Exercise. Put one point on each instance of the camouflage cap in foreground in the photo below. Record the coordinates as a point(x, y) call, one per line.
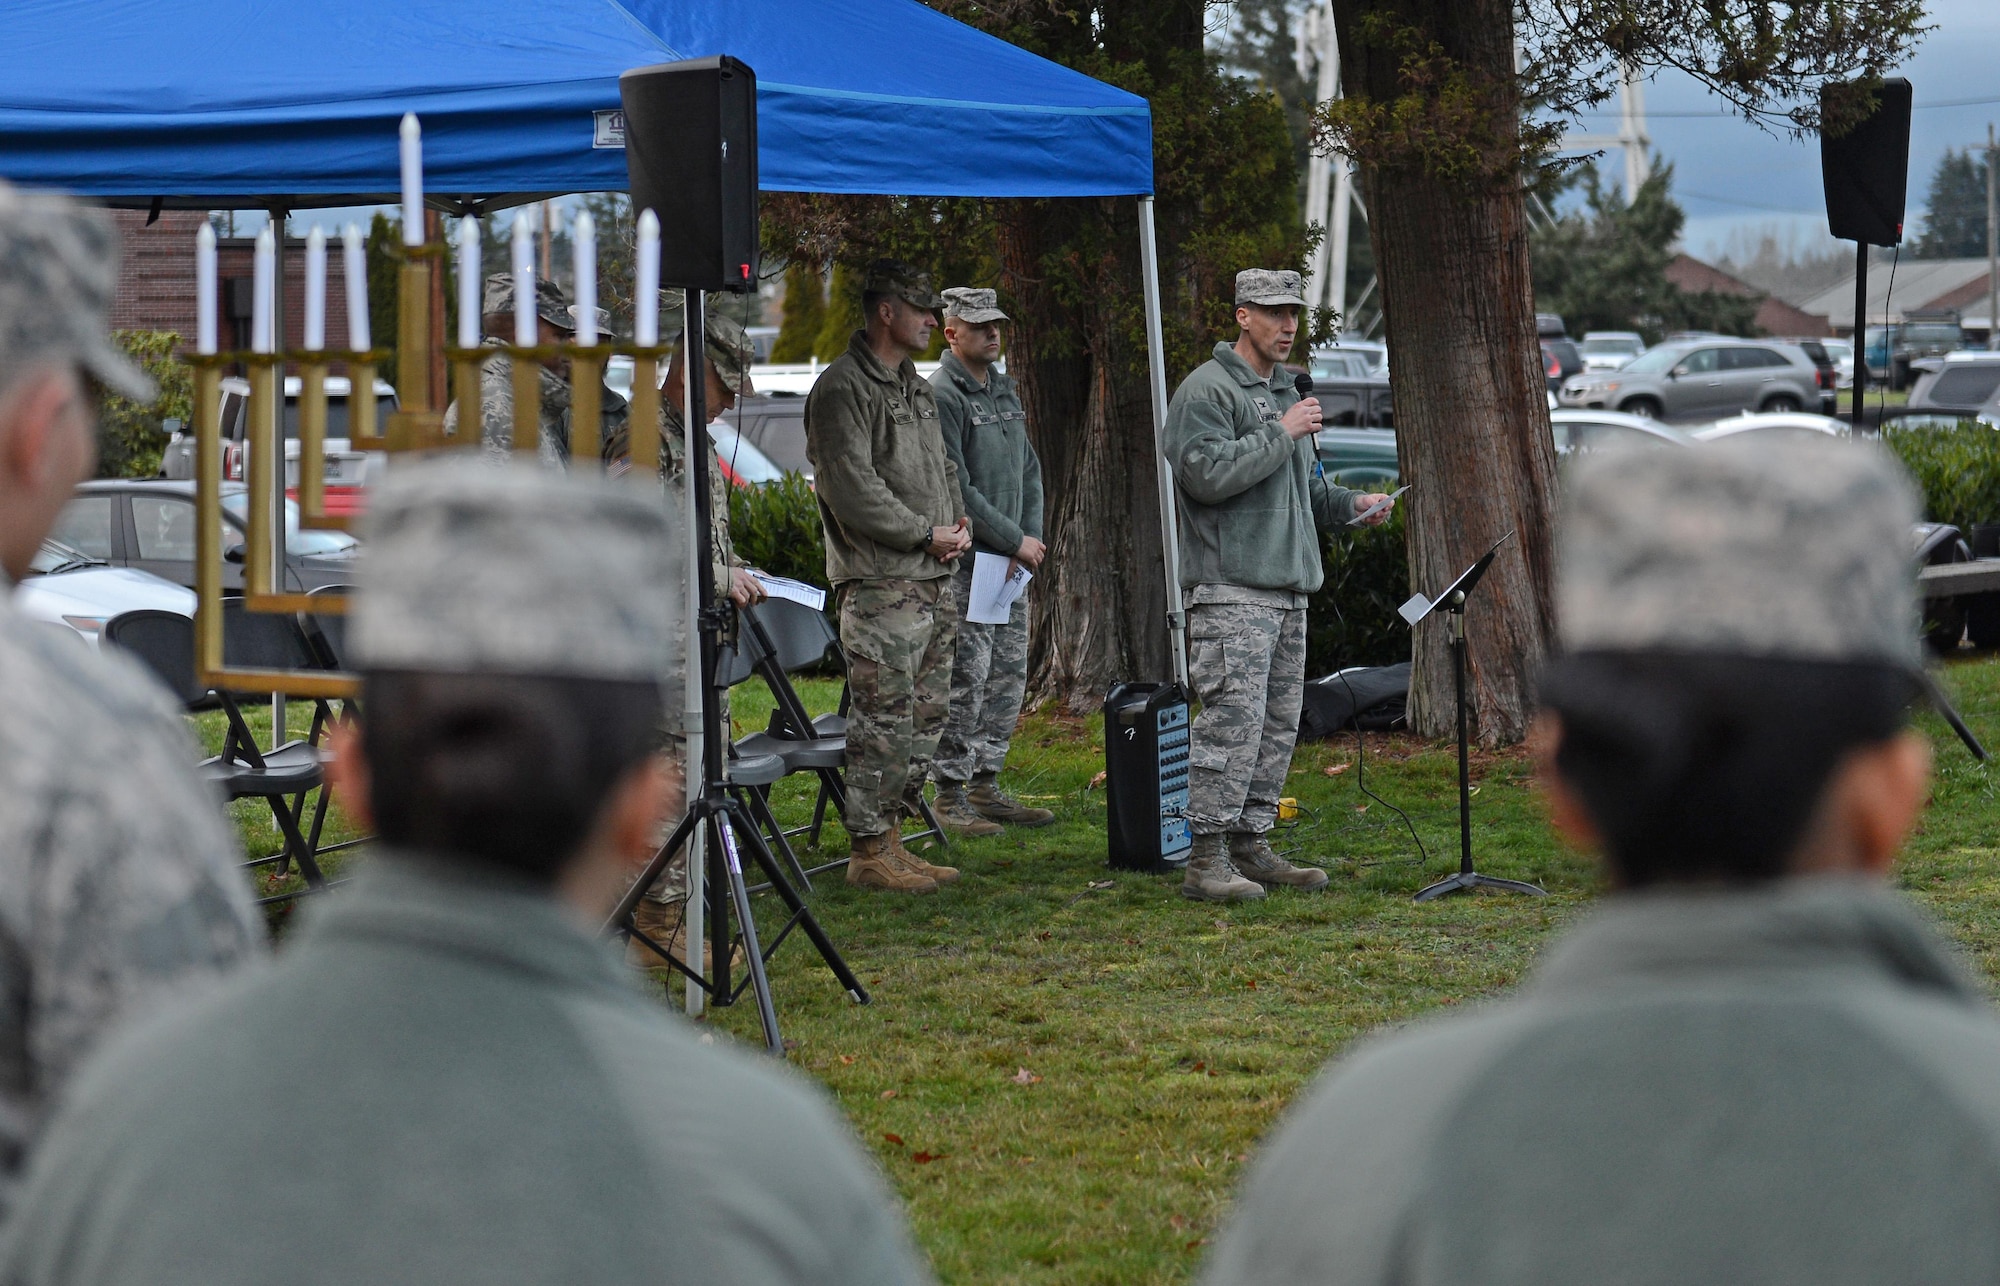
point(1788, 548)
point(476, 567)
point(550, 303)
point(58, 269)
point(906, 282)
point(1270, 286)
point(971, 304)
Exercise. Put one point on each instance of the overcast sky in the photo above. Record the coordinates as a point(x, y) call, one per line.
point(1731, 176)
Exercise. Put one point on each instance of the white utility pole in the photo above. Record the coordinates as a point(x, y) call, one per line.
point(1317, 46)
point(1631, 137)
point(1992, 242)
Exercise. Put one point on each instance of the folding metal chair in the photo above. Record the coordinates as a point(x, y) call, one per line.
point(281, 777)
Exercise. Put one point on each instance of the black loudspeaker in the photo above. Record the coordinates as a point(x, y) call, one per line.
point(691, 152)
point(1867, 170)
point(1146, 741)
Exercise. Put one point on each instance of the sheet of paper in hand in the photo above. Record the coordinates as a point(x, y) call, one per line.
point(993, 589)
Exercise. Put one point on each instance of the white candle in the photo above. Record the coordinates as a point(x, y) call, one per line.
point(646, 289)
point(584, 238)
point(354, 257)
point(469, 286)
point(413, 181)
point(204, 288)
point(261, 283)
point(525, 330)
point(316, 289)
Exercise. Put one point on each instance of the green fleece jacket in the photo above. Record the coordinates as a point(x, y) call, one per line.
point(1796, 1085)
point(447, 1078)
point(880, 469)
point(1250, 496)
point(986, 435)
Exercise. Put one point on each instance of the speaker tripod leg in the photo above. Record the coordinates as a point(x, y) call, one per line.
point(724, 834)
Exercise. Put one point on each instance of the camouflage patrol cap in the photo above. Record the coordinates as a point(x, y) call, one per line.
point(894, 277)
point(58, 269)
point(968, 303)
point(550, 304)
point(477, 567)
point(1271, 287)
point(1792, 548)
point(730, 350)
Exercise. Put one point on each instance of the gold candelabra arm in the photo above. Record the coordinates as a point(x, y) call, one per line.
point(644, 429)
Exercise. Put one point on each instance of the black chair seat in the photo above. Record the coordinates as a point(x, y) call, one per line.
point(291, 769)
point(798, 755)
point(755, 770)
point(831, 725)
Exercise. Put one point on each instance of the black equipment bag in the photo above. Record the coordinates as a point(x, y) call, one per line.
point(1367, 697)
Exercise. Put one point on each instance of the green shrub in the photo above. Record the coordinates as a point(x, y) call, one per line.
point(776, 527)
point(1352, 620)
point(1957, 470)
point(131, 435)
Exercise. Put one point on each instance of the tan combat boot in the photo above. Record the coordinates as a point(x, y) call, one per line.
point(872, 863)
point(1211, 877)
point(956, 813)
point(663, 922)
point(1253, 856)
point(941, 874)
point(994, 804)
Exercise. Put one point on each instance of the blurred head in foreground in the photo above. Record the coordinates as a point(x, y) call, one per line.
point(1739, 654)
point(513, 629)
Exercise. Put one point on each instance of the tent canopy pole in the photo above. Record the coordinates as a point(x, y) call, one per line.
point(1156, 362)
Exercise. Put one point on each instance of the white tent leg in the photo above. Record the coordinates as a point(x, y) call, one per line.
point(1156, 361)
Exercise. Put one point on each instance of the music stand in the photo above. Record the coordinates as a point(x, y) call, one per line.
point(731, 828)
point(1452, 599)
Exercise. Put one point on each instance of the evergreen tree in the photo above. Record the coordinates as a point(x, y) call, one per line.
point(1604, 267)
point(804, 314)
point(1260, 47)
point(1955, 211)
point(385, 259)
point(842, 316)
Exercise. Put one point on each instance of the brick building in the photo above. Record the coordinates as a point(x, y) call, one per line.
point(156, 282)
point(1774, 315)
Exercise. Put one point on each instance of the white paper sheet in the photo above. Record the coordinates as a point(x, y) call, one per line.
point(796, 590)
point(993, 590)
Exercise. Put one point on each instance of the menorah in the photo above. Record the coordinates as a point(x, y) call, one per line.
point(417, 425)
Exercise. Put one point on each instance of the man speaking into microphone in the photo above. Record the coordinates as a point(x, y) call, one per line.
point(1252, 498)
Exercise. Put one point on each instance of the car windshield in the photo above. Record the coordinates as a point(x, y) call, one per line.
point(54, 556)
point(1654, 362)
point(299, 542)
point(1872, 337)
point(1610, 347)
point(1931, 335)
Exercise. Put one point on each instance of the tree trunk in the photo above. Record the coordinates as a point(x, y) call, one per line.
point(1098, 613)
point(1472, 425)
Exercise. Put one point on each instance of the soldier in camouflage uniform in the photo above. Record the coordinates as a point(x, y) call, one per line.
point(557, 324)
point(118, 877)
point(986, 434)
point(1251, 493)
point(895, 523)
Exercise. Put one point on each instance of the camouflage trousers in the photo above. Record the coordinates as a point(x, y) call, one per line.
point(989, 674)
point(1247, 663)
point(899, 636)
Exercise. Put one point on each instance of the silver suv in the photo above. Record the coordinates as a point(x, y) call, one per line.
point(1702, 379)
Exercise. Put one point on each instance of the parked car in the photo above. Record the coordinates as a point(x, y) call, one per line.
point(1607, 350)
point(1842, 353)
point(1373, 353)
point(776, 426)
point(1791, 423)
point(1889, 350)
point(1967, 381)
point(1702, 379)
point(149, 524)
point(1364, 459)
point(1551, 326)
point(1560, 360)
point(1829, 374)
point(742, 463)
point(1598, 430)
point(348, 472)
point(70, 589)
point(1902, 417)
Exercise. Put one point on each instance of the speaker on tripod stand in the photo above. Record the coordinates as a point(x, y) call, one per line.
point(691, 151)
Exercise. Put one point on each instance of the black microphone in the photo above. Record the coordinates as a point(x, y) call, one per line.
point(1303, 382)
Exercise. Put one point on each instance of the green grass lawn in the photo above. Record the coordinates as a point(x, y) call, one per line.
point(1064, 1068)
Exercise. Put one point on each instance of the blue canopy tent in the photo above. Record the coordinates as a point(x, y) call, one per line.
point(238, 103)
point(212, 102)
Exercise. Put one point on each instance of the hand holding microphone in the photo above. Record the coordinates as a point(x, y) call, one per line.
point(1304, 417)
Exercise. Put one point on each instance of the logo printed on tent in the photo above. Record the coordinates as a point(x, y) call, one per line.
point(608, 128)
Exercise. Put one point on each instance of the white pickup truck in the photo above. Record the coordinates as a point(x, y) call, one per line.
point(348, 472)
